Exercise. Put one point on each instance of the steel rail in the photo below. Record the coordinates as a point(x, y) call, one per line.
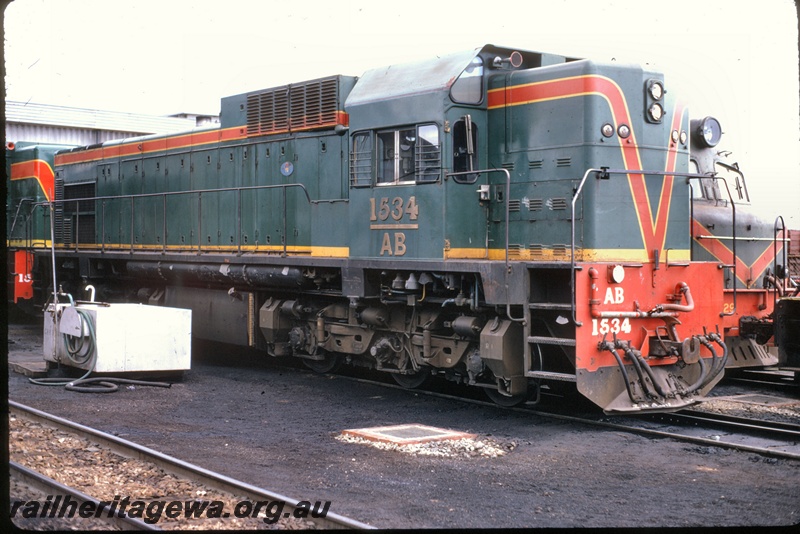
point(597, 422)
point(53, 487)
point(770, 379)
point(181, 468)
point(776, 428)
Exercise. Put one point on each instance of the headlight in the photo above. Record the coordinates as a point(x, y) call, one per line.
point(656, 112)
point(708, 131)
point(624, 131)
point(656, 90)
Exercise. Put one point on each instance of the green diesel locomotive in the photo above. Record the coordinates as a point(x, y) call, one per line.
point(502, 218)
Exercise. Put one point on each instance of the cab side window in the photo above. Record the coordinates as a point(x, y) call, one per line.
point(429, 153)
point(465, 139)
point(402, 155)
point(361, 160)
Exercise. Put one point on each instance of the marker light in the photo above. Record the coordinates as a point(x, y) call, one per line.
point(617, 274)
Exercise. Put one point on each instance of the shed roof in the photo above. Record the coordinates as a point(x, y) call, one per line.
point(31, 113)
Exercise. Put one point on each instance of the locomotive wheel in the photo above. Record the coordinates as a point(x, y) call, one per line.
point(504, 401)
point(328, 364)
point(412, 381)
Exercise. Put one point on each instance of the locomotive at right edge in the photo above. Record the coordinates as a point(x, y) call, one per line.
point(501, 218)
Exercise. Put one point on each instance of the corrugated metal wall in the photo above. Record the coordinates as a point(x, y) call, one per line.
point(42, 133)
point(42, 123)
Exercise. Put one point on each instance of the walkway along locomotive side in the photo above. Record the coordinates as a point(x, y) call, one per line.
point(499, 217)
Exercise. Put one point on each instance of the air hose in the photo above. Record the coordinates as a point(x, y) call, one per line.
point(82, 350)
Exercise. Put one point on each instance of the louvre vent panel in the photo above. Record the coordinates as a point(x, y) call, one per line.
point(515, 250)
point(58, 215)
point(535, 204)
point(296, 107)
point(537, 250)
point(557, 203)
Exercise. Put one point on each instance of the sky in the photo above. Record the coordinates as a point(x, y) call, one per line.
point(736, 60)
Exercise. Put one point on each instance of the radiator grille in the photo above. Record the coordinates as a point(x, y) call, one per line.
point(304, 106)
point(75, 221)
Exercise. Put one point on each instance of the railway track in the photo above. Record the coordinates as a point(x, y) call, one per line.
point(768, 429)
point(772, 439)
point(213, 483)
point(784, 381)
point(47, 486)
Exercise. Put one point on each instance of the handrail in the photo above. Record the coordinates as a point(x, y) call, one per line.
point(507, 196)
point(575, 196)
point(605, 173)
point(723, 313)
point(775, 258)
point(164, 195)
point(16, 215)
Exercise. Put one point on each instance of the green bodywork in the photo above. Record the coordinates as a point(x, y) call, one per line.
point(27, 216)
point(262, 185)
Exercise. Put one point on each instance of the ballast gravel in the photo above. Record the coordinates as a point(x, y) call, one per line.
point(103, 474)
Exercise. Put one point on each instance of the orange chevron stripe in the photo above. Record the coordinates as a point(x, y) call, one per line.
point(665, 200)
point(39, 170)
point(724, 254)
point(652, 228)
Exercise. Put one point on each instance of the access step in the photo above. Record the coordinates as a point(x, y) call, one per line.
point(550, 306)
point(544, 340)
point(549, 375)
